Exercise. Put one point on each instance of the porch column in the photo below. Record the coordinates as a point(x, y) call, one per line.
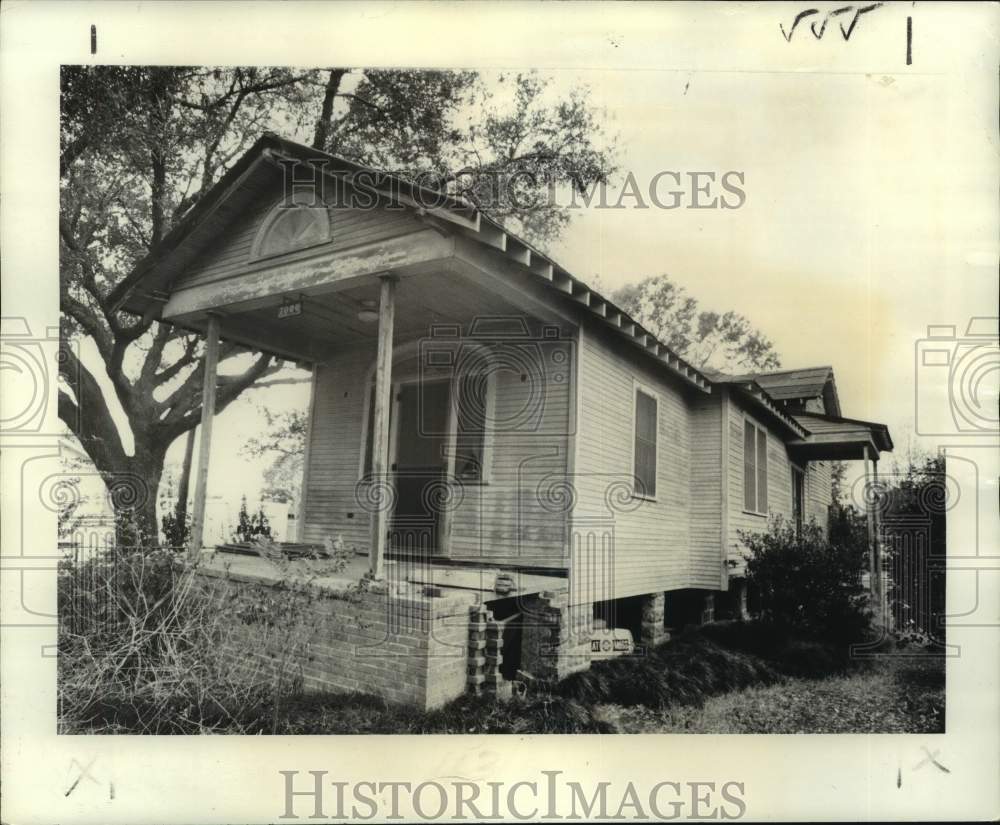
point(870, 514)
point(211, 363)
point(380, 422)
point(876, 529)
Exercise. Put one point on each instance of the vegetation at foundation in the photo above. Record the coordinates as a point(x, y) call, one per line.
point(896, 695)
point(809, 583)
point(141, 646)
point(729, 677)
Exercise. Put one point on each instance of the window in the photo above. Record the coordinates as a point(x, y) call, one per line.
point(754, 468)
point(292, 225)
point(471, 416)
point(644, 455)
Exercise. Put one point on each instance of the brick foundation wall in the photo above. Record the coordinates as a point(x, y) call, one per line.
point(555, 636)
point(410, 649)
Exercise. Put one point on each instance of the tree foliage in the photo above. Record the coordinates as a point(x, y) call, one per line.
point(725, 341)
point(914, 507)
point(283, 442)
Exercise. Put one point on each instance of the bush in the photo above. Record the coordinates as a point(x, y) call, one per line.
point(808, 584)
point(253, 526)
point(141, 650)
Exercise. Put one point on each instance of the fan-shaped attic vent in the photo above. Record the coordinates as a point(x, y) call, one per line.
point(292, 224)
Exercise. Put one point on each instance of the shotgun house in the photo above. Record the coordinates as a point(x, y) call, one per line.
point(514, 465)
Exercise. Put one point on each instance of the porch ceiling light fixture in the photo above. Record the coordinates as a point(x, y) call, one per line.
point(368, 312)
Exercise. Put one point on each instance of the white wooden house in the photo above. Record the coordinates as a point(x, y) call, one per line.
point(482, 421)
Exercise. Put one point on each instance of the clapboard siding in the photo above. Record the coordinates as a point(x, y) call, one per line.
point(350, 227)
point(513, 519)
point(818, 492)
point(651, 539)
point(779, 483)
point(332, 508)
point(706, 492)
point(518, 517)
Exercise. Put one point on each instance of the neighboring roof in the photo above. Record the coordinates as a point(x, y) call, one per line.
point(145, 288)
point(792, 385)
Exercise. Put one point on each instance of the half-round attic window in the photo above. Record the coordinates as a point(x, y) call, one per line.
point(293, 224)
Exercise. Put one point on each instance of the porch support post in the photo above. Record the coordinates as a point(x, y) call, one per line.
point(211, 363)
point(876, 539)
point(380, 424)
point(870, 513)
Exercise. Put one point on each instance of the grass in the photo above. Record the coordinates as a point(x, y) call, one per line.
point(893, 696)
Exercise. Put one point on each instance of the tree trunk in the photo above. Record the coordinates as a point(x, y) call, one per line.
point(322, 132)
point(132, 489)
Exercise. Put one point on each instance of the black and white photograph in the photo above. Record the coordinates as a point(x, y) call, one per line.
point(501, 391)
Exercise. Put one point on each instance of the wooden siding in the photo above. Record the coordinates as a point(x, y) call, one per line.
point(331, 508)
point(229, 256)
point(779, 483)
point(514, 519)
point(706, 492)
point(779, 480)
point(818, 491)
point(651, 539)
point(517, 517)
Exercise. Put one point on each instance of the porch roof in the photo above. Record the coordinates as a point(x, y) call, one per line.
point(145, 290)
point(832, 437)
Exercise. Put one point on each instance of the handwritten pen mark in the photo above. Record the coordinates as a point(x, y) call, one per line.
point(909, 41)
point(932, 758)
point(899, 777)
point(93, 39)
point(84, 773)
point(857, 16)
point(798, 19)
point(821, 30)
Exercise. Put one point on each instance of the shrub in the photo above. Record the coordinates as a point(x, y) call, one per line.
point(808, 584)
point(253, 526)
point(141, 646)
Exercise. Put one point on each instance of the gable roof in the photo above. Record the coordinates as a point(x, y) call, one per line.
point(145, 289)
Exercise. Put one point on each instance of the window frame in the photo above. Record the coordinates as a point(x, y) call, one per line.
point(276, 212)
point(649, 392)
point(486, 474)
point(758, 429)
point(486, 468)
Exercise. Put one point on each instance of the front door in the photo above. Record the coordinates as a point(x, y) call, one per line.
point(419, 465)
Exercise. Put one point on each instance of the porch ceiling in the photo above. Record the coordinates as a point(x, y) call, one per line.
point(330, 321)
